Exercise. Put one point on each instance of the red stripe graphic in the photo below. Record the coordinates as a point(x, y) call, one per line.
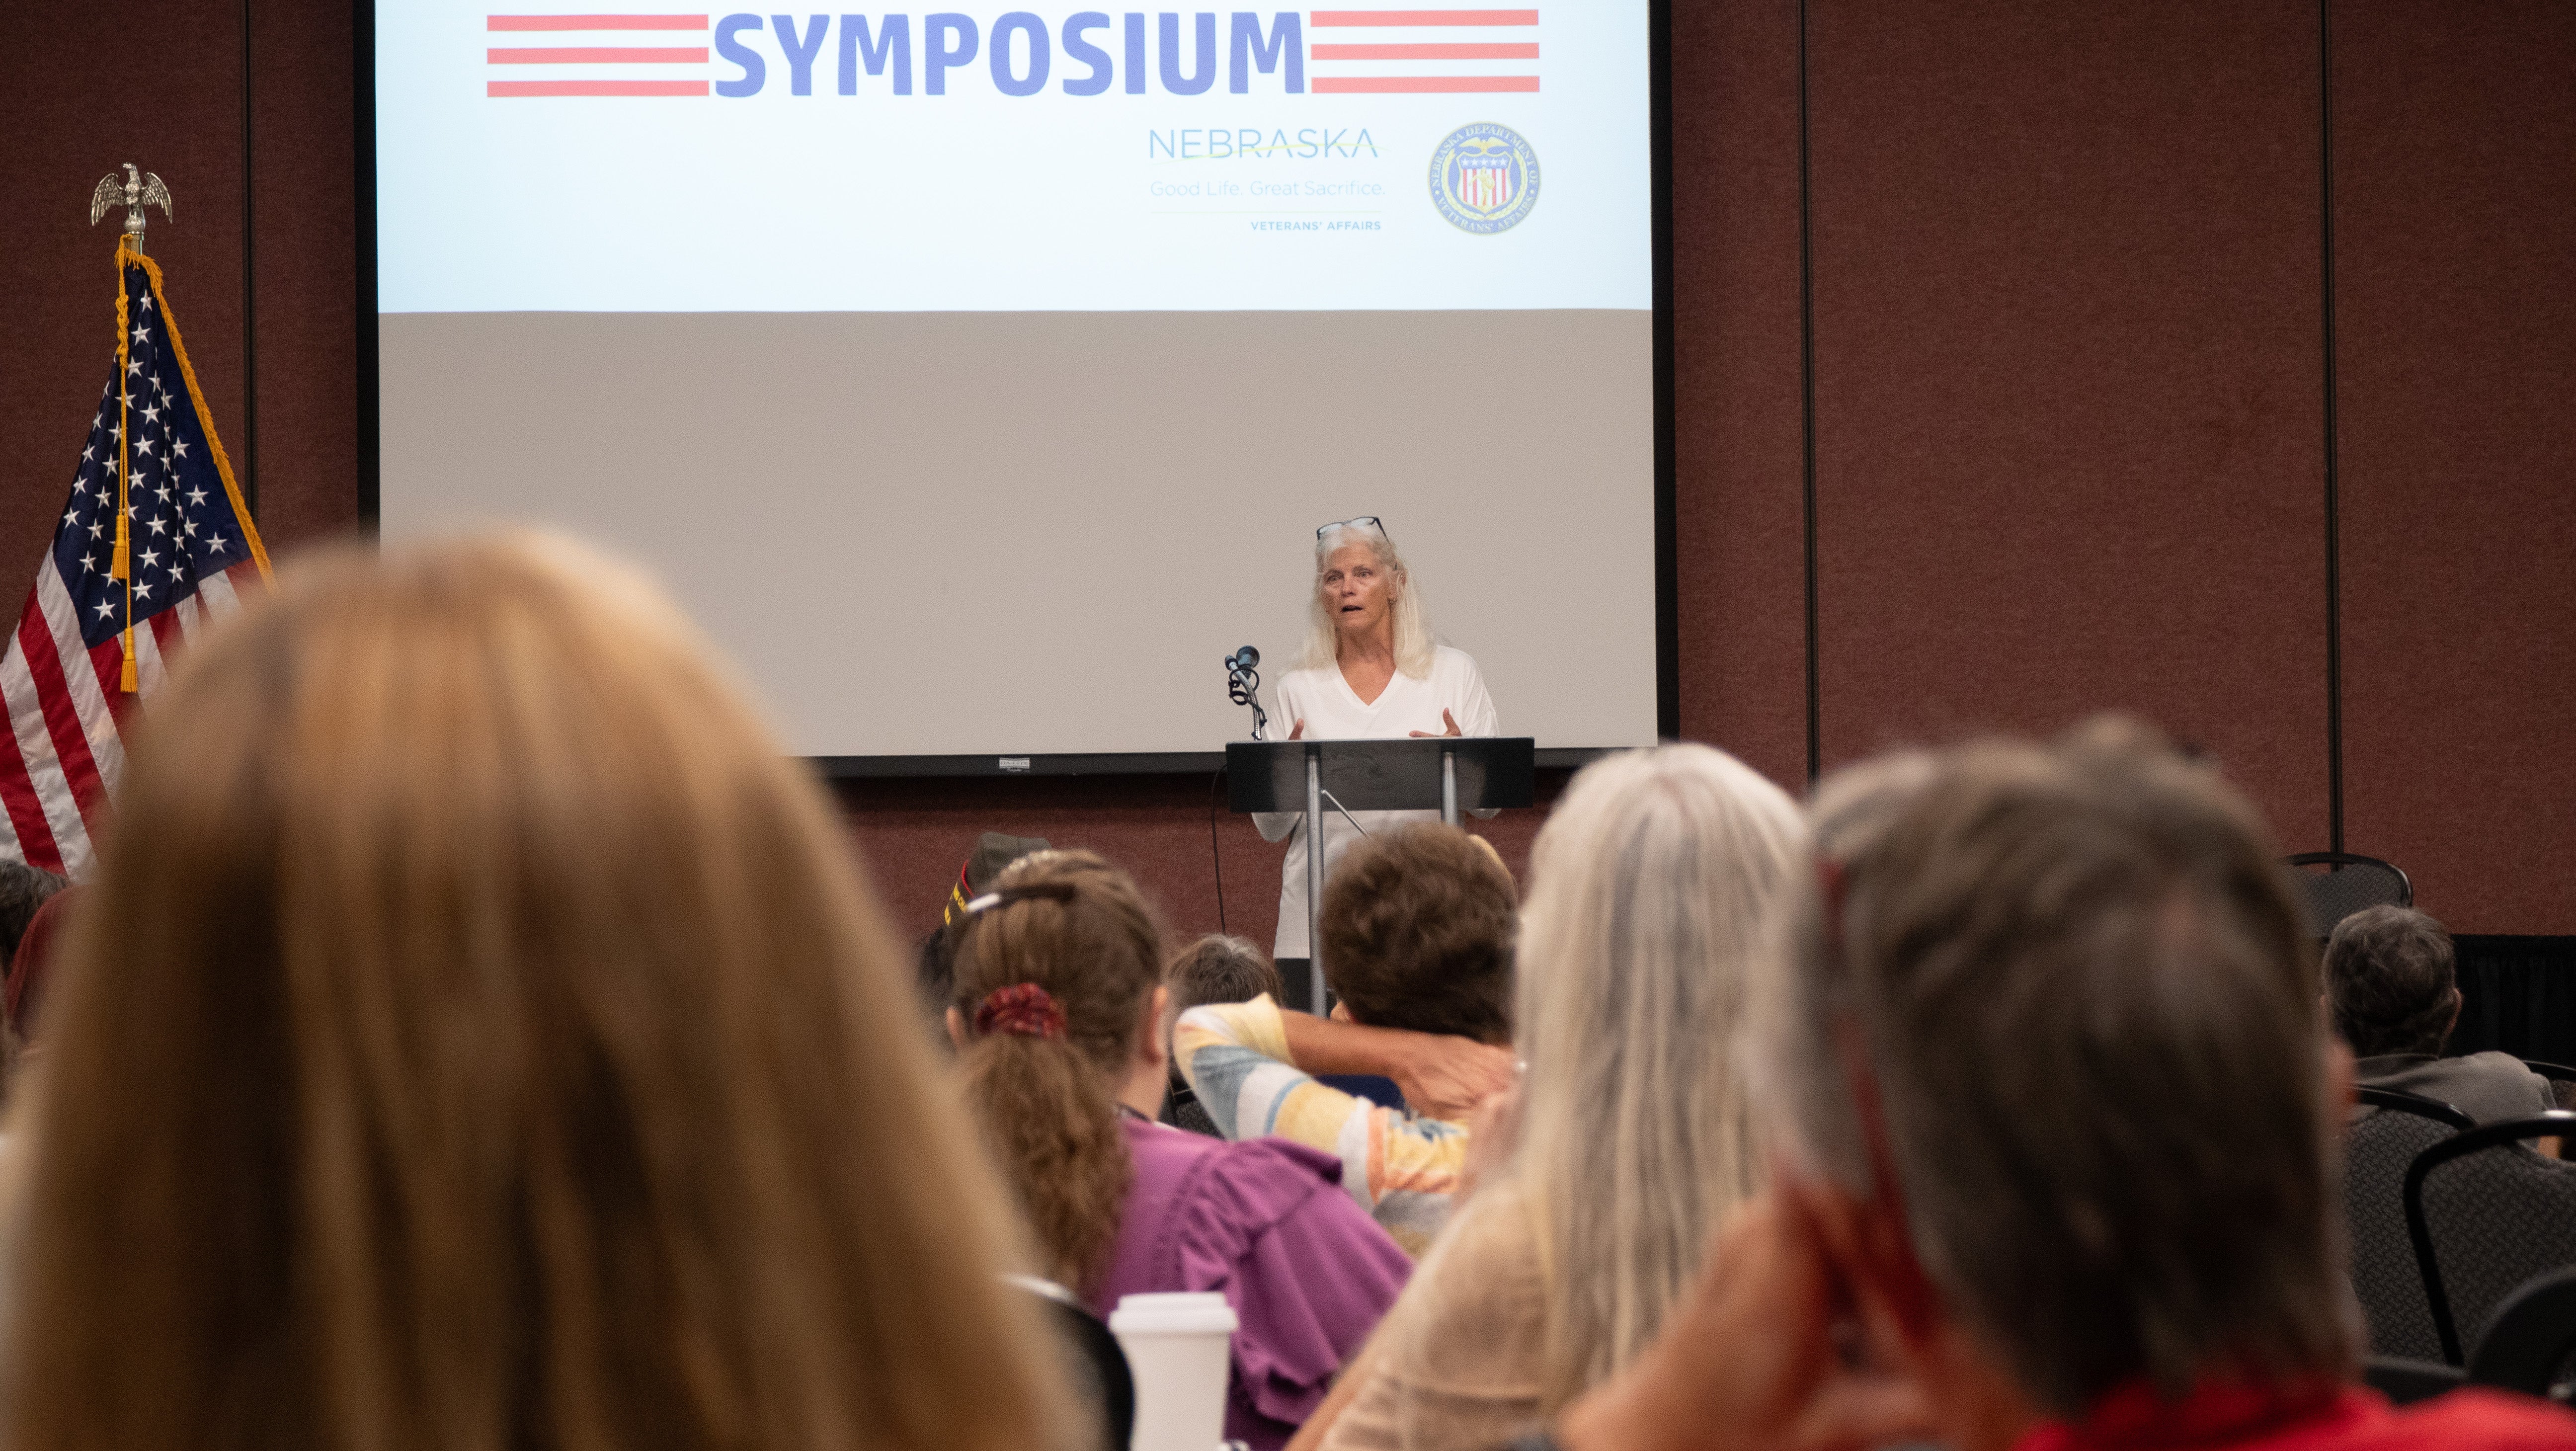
point(1324, 18)
point(598, 55)
point(599, 88)
point(1406, 85)
point(595, 22)
point(1511, 50)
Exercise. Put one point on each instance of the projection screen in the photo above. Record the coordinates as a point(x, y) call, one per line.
point(978, 379)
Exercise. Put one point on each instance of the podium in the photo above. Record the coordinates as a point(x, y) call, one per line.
point(1452, 773)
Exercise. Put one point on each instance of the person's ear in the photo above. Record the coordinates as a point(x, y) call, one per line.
point(956, 1029)
point(1341, 1012)
point(1150, 1047)
point(2454, 1021)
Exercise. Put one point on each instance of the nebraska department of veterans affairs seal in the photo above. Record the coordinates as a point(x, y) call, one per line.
point(1484, 178)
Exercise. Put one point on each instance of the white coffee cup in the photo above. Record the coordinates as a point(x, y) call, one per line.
point(1180, 1348)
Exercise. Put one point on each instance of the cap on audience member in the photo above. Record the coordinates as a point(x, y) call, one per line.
point(2058, 1115)
point(38, 945)
point(480, 1036)
point(2391, 989)
point(1418, 925)
point(993, 852)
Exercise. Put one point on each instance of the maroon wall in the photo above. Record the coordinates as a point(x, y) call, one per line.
point(2455, 290)
point(2069, 406)
point(2066, 267)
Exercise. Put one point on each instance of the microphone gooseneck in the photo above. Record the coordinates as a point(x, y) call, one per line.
point(1243, 687)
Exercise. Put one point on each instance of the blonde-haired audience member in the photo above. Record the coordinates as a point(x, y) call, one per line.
point(480, 1038)
point(1057, 1021)
point(1651, 890)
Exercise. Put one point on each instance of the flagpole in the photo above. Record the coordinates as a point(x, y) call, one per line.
point(140, 189)
point(119, 568)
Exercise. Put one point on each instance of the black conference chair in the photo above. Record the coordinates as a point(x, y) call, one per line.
point(2406, 1381)
point(2379, 1148)
point(2533, 1338)
point(2488, 1215)
point(2562, 1080)
point(1093, 1360)
point(2347, 884)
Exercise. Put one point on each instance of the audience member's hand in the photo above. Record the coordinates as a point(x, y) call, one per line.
point(1491, 1136)
point(1758, 1354)
point(1298, 731)
point(1445, 1078)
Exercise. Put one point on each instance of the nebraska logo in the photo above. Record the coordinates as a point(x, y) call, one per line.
point(1085, 54)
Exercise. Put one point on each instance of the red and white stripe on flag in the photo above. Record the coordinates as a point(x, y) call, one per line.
point(64, 753)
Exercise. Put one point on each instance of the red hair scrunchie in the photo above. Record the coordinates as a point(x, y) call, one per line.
point(1024, 1008)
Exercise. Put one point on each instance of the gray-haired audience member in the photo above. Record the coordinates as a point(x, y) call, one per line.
point(2392, 990)
point(1214, 969)
point(2044, 1061)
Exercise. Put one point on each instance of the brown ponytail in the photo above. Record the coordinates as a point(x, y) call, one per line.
point(1042, 1067)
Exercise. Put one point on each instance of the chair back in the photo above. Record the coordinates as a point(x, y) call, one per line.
point(2335, 884)
point(2488, 1215)
point(2562, 1080)
point(2378, 1149)
point(2533, 1338)
point(2405, 1381)
point(1095, 1365)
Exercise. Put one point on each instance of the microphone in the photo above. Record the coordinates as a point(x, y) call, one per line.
point(1243, 687)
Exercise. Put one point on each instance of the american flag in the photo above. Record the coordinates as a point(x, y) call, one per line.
point(67, 678)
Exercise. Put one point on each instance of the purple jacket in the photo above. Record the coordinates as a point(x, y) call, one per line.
point(1266, 1224)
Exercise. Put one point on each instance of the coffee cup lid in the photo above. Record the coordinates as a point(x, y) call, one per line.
point(1179, 1313)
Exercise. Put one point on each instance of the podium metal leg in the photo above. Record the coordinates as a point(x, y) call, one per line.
point(1448, 786)
point(1315, 880)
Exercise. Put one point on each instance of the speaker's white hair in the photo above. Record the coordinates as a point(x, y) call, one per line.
point(1414, 646)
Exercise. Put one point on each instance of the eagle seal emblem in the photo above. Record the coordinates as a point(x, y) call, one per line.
point(1484, 178)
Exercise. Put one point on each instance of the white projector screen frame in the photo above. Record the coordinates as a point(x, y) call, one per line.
point(980, 658)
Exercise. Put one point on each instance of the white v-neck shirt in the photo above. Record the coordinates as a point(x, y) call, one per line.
point(1333, 711)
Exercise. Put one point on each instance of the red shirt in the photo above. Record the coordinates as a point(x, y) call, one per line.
point(2342, 1418)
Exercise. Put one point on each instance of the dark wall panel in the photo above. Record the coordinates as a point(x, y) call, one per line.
point(2069, 404)
point(1737, 391)
point(2455, 248)
point(306, 287)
